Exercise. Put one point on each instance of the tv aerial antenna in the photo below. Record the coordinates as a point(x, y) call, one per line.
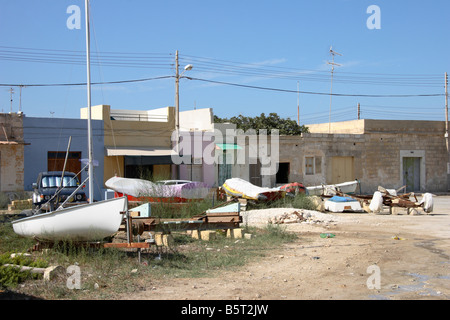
point(333, 64)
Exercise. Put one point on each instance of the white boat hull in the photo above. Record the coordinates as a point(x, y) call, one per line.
point(239, 188)
point(144, 190)
point(88, 222)
point(345, 187)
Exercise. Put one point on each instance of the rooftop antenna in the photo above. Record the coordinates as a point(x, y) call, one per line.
point(333, 53)
point(11, 91)
point(20, 97)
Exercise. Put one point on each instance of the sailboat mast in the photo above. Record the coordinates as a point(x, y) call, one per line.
point(88, 64)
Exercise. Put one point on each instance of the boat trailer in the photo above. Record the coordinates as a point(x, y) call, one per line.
point(136, 226)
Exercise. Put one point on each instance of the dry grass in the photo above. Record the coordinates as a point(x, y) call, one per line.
point(107, 273)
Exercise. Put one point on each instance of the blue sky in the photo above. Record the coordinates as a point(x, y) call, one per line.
point(258, 44)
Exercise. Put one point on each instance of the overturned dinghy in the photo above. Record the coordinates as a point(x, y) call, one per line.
point(144, 190)
point(239, 188)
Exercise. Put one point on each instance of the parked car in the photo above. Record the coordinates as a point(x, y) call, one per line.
point(47, 185)
point(172, 182)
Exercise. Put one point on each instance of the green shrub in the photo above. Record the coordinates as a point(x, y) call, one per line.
point(11, 276)
point(300, 201)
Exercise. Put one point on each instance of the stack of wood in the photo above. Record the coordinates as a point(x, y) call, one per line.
point(392, 199)
point(20, 204)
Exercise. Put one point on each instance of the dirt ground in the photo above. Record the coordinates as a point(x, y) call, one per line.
point(371, 257)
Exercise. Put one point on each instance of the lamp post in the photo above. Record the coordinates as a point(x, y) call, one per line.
point(177, 104)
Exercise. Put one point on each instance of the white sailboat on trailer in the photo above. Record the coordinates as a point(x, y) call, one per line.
point(89, 222)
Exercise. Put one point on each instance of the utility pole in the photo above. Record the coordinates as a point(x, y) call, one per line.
point(333, 53)
point(359, 111)
point(177, 112)
point(177, 105)
point(446, 131)
point(298, 103)
point(177, 95)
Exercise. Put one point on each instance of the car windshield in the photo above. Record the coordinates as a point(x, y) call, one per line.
point(55, 181)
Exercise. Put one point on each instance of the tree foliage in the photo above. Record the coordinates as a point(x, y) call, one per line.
point(272, 121)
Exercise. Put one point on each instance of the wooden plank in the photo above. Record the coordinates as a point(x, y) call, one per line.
point(218, 214)
point(224, 219)
point(141, 245)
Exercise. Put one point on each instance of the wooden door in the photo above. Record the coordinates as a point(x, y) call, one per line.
point(342, 169)
point(411, 173)
point(56, 159)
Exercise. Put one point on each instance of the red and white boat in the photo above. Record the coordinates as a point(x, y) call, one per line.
point(147, 191)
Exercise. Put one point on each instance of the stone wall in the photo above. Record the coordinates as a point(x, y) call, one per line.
point(11, 152)
point(377, 149)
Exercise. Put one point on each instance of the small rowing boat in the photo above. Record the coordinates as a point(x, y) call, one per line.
point(147, 191)
point(239, 188)
point(85, 222)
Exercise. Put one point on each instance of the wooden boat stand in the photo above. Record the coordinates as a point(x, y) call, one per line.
point(400, 201)
point(134, 227)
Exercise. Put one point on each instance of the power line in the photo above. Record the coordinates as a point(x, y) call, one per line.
point(321, 93)
point(232, 84)
point(264, 71)
point(304, 76)
point(262, 64)
point(113, 59)
point(83, 83)
point(202, 64)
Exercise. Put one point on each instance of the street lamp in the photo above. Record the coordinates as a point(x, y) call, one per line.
point(177, 104)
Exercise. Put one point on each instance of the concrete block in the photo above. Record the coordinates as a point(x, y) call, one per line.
point(159, 238)
point(195, 234)
point(167, 240)
point(208, 235)
point(248, 235)
point(235, 233)
point(163, 239)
